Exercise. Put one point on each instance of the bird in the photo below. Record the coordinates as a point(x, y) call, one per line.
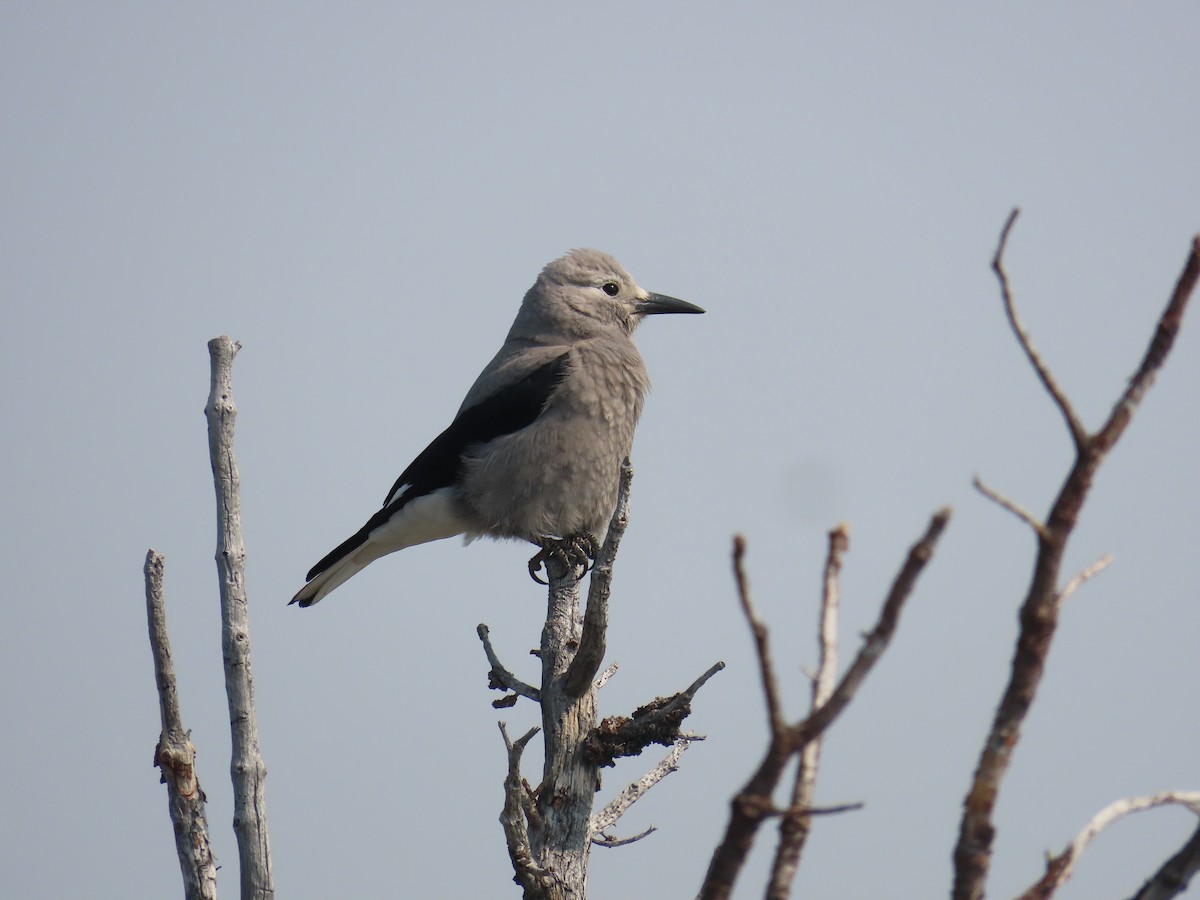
point(536, 448)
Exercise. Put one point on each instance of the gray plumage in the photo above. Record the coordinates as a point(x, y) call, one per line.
point(536, 448)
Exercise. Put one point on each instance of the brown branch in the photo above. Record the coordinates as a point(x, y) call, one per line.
point(879, 637)
point(753, 803)
point(1078, 433)
point(796, 821)
point(592, 642)
point(1173, 876)
point(762, 645)
point(1040, 609)
point(1012, 506)
point(174, 755)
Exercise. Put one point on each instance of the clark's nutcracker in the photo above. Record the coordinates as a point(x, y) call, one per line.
point(535, 451)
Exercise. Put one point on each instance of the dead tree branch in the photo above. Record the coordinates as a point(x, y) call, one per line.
point(175, 756)
point(592, 641)
point(247, 767)
point(550, 831)
point(615, 808)
point(501, 679)
point(1059, 868)
point(753, 804)
point(516, 816)
point(1040, 609)
point(1173, 876)
point(796, 821)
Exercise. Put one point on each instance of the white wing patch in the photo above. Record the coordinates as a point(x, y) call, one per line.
point(429, 518)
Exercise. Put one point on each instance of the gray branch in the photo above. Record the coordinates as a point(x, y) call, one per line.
point(246, 767)
point(175, 755)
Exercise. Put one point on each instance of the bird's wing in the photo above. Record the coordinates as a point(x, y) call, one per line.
point(502, 412)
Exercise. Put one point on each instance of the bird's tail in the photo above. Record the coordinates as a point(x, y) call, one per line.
point(333, 577)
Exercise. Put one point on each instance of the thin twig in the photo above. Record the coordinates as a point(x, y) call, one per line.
point(1059, 868)
point(1084, 576)
point(501, 678)
point(879, 637)
point(607, 840)
point(758, 629)
point(175, 755)
point(607, 817)
point(1078, 432)
point(592, 642)
point(1013, 507)
point(609, 671)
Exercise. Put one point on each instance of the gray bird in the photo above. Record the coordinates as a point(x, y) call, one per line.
point(535, 451)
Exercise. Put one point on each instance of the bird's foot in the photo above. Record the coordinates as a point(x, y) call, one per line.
point(576, 550)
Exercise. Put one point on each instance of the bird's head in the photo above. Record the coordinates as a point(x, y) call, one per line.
point(588, 293)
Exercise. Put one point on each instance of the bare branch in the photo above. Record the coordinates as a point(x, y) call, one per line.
point(1013, 507)
point(796, 821)
point(1156, 353)
point(1173, 876)
point(592, 644)
point(499, 677)
point(247, 767)
point(607, 817)
point(608, 673)
point(515, 816)
point(1078, 433)
point(758, 629)
point(1041, 607)
point(175, 755)
point(1083, 577)
point(879, 637)
point(753, 804)
point(607, 840)
point(1059, 868)
point(655, 723)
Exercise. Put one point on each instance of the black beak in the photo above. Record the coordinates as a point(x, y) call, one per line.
point(656, 304)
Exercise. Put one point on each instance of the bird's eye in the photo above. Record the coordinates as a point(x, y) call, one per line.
point(612, 288)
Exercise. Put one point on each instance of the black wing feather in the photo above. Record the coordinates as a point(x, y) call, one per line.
point(438, 465)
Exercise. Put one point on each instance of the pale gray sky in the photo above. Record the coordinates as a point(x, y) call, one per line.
point(361, 194)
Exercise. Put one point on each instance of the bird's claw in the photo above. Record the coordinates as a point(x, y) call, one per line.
point(576, 550)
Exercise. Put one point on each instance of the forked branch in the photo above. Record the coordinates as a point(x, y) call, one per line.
point(1040, 609)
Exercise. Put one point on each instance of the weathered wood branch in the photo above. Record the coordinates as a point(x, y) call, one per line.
point(246, 767)
point(593, 639)
point(615, 808)
point(1040, 609)
point(657, 722)
point(753, 804)
point(796, 821)
point(174, 755)
point(501, 679)
point(1061, 866)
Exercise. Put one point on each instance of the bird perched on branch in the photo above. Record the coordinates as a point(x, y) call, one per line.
point(535, 451)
